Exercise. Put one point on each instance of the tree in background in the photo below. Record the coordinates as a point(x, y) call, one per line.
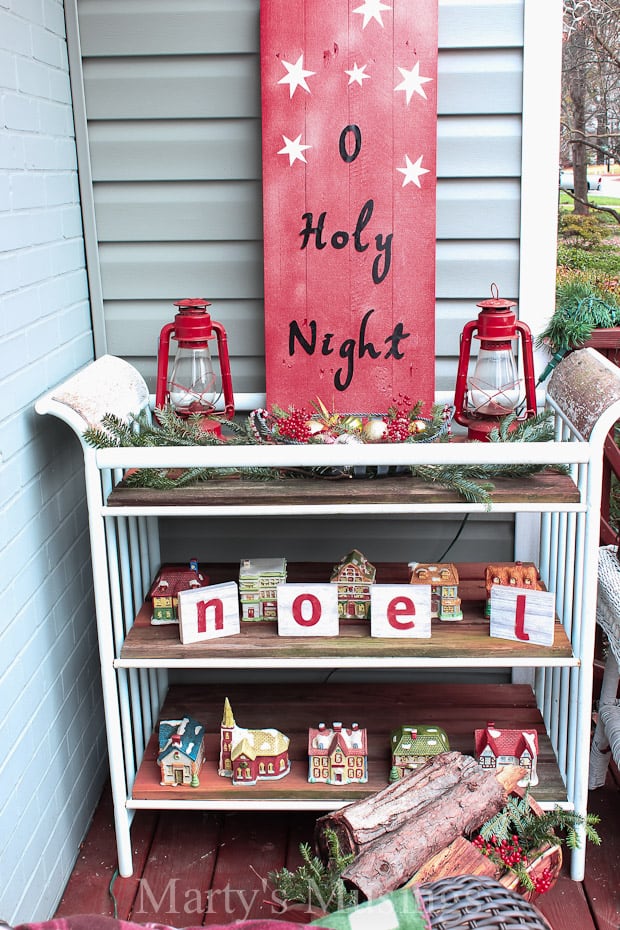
point(590, 120)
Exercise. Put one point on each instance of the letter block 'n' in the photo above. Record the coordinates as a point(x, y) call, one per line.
point(209, 613)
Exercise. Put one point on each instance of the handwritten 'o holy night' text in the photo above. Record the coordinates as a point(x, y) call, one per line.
point(317, 234)
point(349, 349)
point(341, 239)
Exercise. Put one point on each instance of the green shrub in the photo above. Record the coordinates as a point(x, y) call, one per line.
point(585, 232)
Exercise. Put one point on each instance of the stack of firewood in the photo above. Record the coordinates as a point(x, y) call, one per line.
point(416, 828)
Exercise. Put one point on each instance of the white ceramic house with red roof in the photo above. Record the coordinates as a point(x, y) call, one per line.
point(337, 755)
point(495, 747)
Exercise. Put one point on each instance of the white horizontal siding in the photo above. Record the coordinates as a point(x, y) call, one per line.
point(203, 87)
point(166, 269)
point(156, 27)
point(216, 86)
point(220, 211)
point(173, 150)
point(136, 322)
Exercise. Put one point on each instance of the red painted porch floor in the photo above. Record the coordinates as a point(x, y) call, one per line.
point(203, 868)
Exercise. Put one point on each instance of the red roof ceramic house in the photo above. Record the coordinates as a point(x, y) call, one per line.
point(337, 755)
point(495, 747)
point(165, 590)
point(249, 755)
point(354, 575)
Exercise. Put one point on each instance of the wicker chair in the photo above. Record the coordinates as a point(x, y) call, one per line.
point(606, 740)
point(476, 902)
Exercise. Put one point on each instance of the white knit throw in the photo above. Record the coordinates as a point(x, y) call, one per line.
point(608, 601)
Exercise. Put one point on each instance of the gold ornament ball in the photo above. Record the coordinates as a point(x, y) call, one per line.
point(352, 424)
point(374, 430)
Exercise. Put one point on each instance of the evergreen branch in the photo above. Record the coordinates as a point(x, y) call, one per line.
point(534, 830)
point(315, 882)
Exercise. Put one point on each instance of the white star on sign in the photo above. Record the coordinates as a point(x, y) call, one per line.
point(294, 149)
point(412, 82)
point(356, 75)
point(296, 75)
point(371, 9)
point(412, 172)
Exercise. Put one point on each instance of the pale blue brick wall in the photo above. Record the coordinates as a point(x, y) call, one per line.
point(52, 745)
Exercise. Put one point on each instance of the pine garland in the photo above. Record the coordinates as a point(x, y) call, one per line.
point(473, 483)
point(579, 310)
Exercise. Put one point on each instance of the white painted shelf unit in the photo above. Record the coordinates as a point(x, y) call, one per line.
point(584, 396)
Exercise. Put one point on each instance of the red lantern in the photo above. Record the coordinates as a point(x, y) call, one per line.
point(494, 389)
point(193, 386)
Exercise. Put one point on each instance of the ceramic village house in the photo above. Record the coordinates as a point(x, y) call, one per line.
point(495, 747)
point(354, 575)
point(249, 755)
point(258, 583)
point(337, 755)
point(512, 575)
point(412, 746)
point(444, 581)
point(181, 751)
point(164, 592)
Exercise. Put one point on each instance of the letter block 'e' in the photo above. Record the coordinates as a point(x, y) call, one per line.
point(308, 609)
point(209, 613)
point(400, 610)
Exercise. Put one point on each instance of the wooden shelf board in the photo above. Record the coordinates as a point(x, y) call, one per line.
point(466, 639)
point(292, 708)
point(548, 487)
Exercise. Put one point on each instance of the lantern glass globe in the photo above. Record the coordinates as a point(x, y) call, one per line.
point(192, 385)
point(494, 387)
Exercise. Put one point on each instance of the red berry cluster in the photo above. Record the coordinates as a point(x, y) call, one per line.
point(295, 425)
point(543, 881)
point(397, 428)
point(509, 851)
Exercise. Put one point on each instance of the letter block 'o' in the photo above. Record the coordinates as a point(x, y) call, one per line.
point(209, 613)
point(400, 610)
point(308, 609)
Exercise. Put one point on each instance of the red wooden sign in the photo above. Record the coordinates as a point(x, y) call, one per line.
point(349, 178)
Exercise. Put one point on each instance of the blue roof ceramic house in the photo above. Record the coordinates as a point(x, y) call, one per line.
point(181, 751)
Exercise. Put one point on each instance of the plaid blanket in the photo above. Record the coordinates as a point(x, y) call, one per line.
point(99, 922)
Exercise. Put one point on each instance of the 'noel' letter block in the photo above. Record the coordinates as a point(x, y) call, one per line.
point(400, 610)
point(208, 613)
point(522, 614)
point(308, 610)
